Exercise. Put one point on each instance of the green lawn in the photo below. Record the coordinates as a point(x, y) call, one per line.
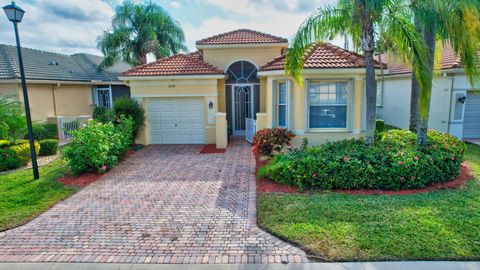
point(22, 198)
point(442, 225)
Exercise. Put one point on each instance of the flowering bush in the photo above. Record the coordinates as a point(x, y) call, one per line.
point(98, 147)
point(394, 163)
point(267, 140)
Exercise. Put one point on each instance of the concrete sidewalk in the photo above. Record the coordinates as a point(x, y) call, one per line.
point(423, 265)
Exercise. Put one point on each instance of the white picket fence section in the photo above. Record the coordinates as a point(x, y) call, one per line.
point(250, 127)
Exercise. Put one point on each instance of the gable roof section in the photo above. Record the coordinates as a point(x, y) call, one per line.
point(449, 61)
point(42, 65)
point(241, 36)
point(322, 56)
point(176, 65)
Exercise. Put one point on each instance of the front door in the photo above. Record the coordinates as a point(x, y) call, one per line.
point(243, 108)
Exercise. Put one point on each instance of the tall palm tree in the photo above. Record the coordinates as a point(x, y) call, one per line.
point(456, 23)
point(137, 30)
point(360, 19)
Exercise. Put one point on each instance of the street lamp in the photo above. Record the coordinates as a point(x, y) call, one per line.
point(15, 15)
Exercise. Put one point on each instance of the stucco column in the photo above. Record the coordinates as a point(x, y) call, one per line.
point(261, 121)
point(221, 134)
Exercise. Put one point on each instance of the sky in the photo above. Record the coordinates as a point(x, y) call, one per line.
point(72, 26)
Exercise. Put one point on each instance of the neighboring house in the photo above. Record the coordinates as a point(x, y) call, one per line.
point(236, 84)
point(454, 107)
point(60, 85)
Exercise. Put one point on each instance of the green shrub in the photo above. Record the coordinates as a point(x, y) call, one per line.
point(44, 131)
point(130, 108)
point(98, 146)
point(102, 114)
point(5, 143)
point(379, 125)
point(48, 147)
point(267, 140)
point(22, 150)
point(9, 160)
point(394, 163)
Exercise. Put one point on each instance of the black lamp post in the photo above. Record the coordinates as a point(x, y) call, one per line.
point(15, 15)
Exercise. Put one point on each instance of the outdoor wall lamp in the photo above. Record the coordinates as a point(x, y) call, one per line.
point(462, 99)
point(210, 105)
point(15, 15)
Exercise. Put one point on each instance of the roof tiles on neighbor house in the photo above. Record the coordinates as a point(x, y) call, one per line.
point(322, 55)
point(241, 36)
point(449, 60)
point(43, 65)
point(177, 65)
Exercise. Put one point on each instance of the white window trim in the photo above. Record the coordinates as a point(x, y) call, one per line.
point(275, 97)
point(95, 94)
point(350, 85)
point(452, 106)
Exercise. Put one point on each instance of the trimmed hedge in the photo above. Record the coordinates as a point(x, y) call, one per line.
point(9, 160)
point(394, 163)
point(22, 150)
point(44, 131)
point(5, 143)
point(48, 147)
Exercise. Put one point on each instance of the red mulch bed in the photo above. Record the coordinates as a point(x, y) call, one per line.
point(266, 185)
point(211, 149)
point(79, 181)
point(86, 178)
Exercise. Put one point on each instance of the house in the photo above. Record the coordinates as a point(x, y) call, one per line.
point(60, 85)
point(235, 84)
point(454, 107)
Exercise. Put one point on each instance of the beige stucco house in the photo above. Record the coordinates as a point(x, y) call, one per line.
point(235, 84)
point(60, 85)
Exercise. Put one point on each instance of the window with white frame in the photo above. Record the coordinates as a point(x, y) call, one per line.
point(379, 93)
point(103, 96)
point(282, 103)
point(327, 104)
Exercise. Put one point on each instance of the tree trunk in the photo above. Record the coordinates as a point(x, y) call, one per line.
point(141, 58)
point(368, 46)
point(415, 93)
point(429, 38)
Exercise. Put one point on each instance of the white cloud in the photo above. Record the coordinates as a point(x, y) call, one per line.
point(67, 26)
point(276, 17)
point(175, 4)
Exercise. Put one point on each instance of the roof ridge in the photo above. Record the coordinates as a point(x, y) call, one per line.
point(179, 55)
point(201, 41)
point(36, 50)
point(15, 69)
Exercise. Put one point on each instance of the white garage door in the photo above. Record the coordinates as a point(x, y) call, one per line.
point(176, 120)
point(471, 120)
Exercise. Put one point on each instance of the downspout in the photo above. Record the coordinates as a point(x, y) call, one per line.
point(450, 108)
point(54, 98)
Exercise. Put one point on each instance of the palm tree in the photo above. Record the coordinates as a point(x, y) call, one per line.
point(13, 124)
point(140, 29)
point(360, 19)
point(456, 23)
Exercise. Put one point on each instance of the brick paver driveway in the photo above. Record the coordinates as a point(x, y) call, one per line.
point(165, 204)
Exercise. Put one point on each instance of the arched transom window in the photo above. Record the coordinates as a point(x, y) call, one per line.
point(242, 72)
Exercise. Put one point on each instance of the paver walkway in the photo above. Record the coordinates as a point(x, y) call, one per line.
point(165, 204)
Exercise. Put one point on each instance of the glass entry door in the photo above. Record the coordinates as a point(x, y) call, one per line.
point(243, 107)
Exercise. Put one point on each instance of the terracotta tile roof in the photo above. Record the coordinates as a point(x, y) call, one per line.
point(449, 60)
point(322, 55)
point(241, 36)
point(176, 65)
